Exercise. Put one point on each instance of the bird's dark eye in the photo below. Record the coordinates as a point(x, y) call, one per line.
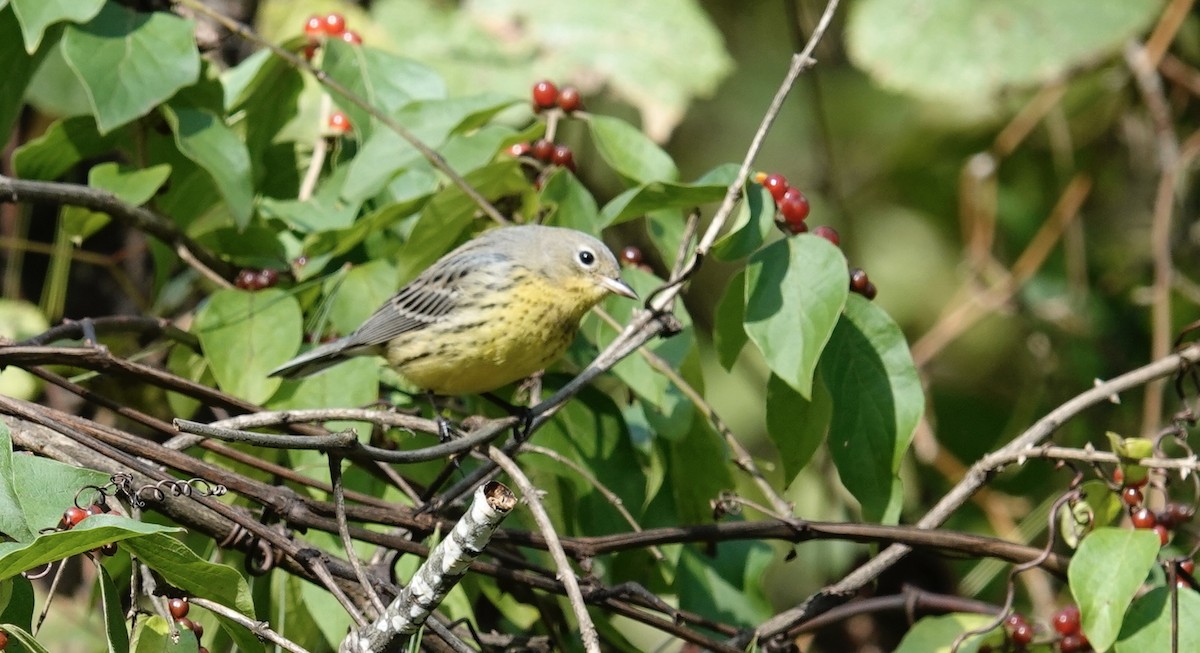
point(586, 257)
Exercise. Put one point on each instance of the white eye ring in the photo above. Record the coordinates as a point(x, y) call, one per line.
point(587, 257)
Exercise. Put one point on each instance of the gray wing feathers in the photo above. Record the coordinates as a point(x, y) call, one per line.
point(315, 360)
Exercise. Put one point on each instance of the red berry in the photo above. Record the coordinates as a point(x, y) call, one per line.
point(97, 509)
point(245, 279)
point(1014, 621)
point(545, 95)
point(201, 650)
point(3, 640)
point(543, 150)
point(1131, 496)
point(518, 149)
point(1118, 476)
point(73, 515)
point(109, 549)
point(314, 28)
point(350, 36)
point(1178, 514)
point(1187, 566)
point(178, 607)
point(858, 280)
point(569, 99)
point(828, 233)
point(335, 24)
point(870, 291)
point(1073, 643)
point(776, 184)
point(310, 51)
point(1143, 518)
point(631, 255)
point(562, 156)
point(793, 206)
point(267, 278)
point(1022, 635)
point(339, 123)
point(795, 227)
point(1066, 621)
point(1164, 534)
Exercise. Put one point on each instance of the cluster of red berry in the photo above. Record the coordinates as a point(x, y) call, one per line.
point(548, 96)
point(248, 279)
point(793, 210)
point(546, 152)
point(1172, 516)
point(74, 515)
point(631, 255)
point(1066, 624)
point(319, 28)
point(178, 607)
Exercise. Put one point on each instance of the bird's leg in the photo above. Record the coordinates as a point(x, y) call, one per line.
point(446, 430)
point(523, 413)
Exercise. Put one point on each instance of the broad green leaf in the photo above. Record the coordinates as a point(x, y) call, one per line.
point(264, 89)
point(19, 602)
point(91, 533)
point(355, 295)
point(465, 152)
point(116, 635)
point(755, 221)
point(37, 15)
point(18, 68)
point(796, 425)
point(1147, 626)
point(206, 140)
point(245, 335)
point(660, 195)
point(385, 80)
point(698, 471)
point(729, 330)
point(129, 62)
point(450, 212)
point(252, 247)
point(153, 635)
point(340, 241)
point(1131, 450)
point(326, 210)
point(795, 290)
point(1105, 573)
point(78, 224)
point(629, 152)
point(968, 51)
point(35, 491)
point(727, 587)
point(937, 634)
point(570, 203)
point(134, 186)
point(182, 568)
point(385, 153)
point(64, 144)
point(354, 382)
point(877, 402)
point(1099, 506)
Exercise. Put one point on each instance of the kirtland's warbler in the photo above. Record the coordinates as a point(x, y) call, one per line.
point(495, 310)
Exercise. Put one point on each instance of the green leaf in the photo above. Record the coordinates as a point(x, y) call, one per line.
point(877, 402)
point(1147, 626)
point(726, 587)
point(969, 51)
point(134, 186)
point(355, 295)
point(34, 491)
point(252, 247)
point(1105, 574)
point(245, 335)
point(795, 290)
point(37, 15)
point(755, 221)
point(385, 80)
point(729, 330)
point(153, 635)
point(629, 152)
point(1098, 507)
point(570, 203)
point(91, 533)
point(937, 634)
point(18, 68)
point(129, 62)
point(64, 144)
point(116, 635)
point(25, 639)
point(657, 196)
point(206, 140)
point(18, 591)
point(182, 568)
point(20, 319)
point(796, 425)
point(265, 89)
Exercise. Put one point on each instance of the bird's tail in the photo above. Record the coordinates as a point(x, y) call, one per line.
point(315, 360)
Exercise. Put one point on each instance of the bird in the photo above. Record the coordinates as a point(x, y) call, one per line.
point(495, 310)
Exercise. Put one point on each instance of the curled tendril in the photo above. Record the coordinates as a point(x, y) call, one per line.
point(40, 573)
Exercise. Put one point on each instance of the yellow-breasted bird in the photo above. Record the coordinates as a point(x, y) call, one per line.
point(496, 309)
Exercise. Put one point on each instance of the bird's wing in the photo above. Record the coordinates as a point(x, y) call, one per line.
point(433, 295)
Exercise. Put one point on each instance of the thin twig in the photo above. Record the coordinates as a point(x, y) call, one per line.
point(339, 502)
point(261, 629)
point(587, 630)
